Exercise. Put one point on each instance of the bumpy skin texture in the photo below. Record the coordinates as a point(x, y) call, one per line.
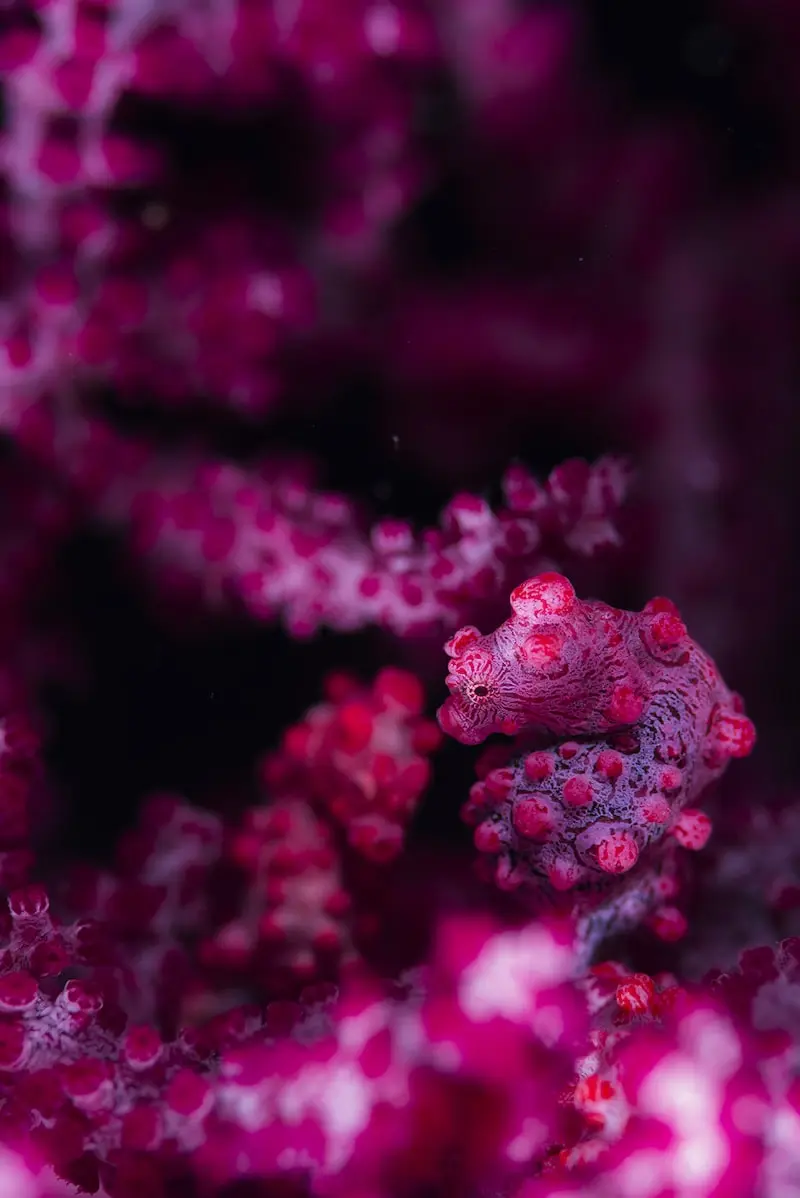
point(635, 721)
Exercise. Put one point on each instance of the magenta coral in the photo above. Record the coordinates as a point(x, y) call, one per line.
point(295, 911)
point(271, 541)
point(363, 758)
point(325, 326)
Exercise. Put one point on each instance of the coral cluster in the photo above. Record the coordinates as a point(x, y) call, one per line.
point(325, 326)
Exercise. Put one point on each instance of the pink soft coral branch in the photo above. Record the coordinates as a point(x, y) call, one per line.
point(272, 542)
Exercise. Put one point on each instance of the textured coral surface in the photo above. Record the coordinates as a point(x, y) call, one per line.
point(327, 329)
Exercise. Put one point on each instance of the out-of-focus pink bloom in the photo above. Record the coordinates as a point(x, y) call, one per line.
point(362, 757)
point(272, 542)
point(293, 918)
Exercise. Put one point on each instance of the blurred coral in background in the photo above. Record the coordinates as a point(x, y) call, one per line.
point(327, 329)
